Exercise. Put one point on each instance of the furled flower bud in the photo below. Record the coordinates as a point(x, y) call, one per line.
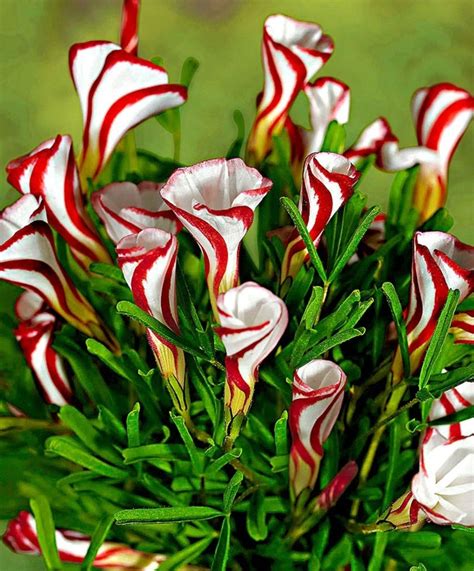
point(318, 392)
point(440, 263)
point(444, 486)
point(329, 100)
point(28, 259)
point(328, 182)
point(253, 321)
point(215, 200)
point(292, 52)
point(50, 172)
point(35, 337)
point(336, 487)
point(403, 513)
point(369, 142)
point(21, 536)
point(148, 261)
point(450, 402)
point(117, 91)
point(126, 208)
point(441, 114)
point(129, 26)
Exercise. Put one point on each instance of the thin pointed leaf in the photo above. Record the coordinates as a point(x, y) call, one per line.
point(46, 531)
point(231, 492)
point(397, 313)
point(165, 515)
point(221, 556)
point(298, 221)
point(97, 539)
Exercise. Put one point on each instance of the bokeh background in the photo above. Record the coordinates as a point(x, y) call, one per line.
point(385, 49)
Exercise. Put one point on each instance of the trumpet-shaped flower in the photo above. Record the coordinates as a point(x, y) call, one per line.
point(28, 259)
point(441, 114)
point(50, 172)
point(318, 392)
point(129, 26)
point(440, 263)
point(444, 486)
point(253, 321)
point(126, 208)
point(292, 51)
point(215, 200)
point(328, 182)
point(21, 536)
point(329, 100)
point(35, 337)
point(369, 142)
point(148, 261)
point(117, 91)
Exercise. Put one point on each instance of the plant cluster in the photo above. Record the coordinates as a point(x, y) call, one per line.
point(239, 364)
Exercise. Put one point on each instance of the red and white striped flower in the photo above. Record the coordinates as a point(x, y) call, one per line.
point(126, 208)
point(148, 261)
point(215, 200)
point(129, 26)
point(337, 486)
point(253, 321)
point(329, 100)
point(462, 327)
point(28, 259)
point(35, 337)
point(369, 142)
point(318, 392)
point(450, 402)
point(50, 172)
point(444, 486)
point(292, 51)
point(328, 182)
point(441, 114)
point(21, 536)
point(117, 91)
point(440, 263)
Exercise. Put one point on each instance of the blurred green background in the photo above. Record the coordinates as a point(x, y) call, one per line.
point(385, 49)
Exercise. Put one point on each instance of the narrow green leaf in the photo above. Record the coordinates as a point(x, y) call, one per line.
point(205, 392)
point(459, 416)
point(223, 460)
point(112, 424)
point(102, 352)
point(439, 336)
point(133, 311)
point(393, 459)
point(397, 314)
point(66, 447)
point(354, 242)
point(86, 372)
point(313, 309)
point(256, 518)
point(133, 426)
point(376, 561)
point(231, 492)
point(444, 381)
point(335, 138)
point(236, 147)
point(97, 539)
point(194, 454)
point(281, 434)
point(45, 529)
point(185, 555)
point(188, 71)
point(298, 221)
point(328, 344)
point(108, 271)
point(86, 432)
point(165, 515)
point(221, 556)
point(169, 452)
